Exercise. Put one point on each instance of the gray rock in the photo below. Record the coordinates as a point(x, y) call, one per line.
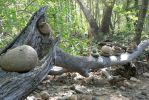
point(44, 95)
point(20, 59)
point(123, 88)
point(79, 89)
point(135, 79)
point(146, 74)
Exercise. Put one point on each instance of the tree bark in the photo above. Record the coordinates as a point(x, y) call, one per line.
point(83, 65)
point(95, 30)
point(140, 21)
point(106, 19)
point(16, 86)
point(30, 35)
point(127, 8)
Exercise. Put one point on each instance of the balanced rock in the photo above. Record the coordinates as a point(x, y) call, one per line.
point(117, 51)
point(131, 47)
point(94, 53)
point(106, 51)
point(20, 59)
point(44, 28)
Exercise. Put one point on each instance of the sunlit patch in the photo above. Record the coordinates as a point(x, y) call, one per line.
point(124, 57)
point(113, 58)
point(90, 58)
point(100, 59)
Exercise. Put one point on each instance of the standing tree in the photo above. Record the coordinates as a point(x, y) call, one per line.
point(140, 22)
point(106, 19)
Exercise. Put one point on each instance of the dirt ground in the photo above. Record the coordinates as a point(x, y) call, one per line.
point(72, 86)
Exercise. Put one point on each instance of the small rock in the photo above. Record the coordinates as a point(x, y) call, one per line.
point(95, 98)
point(44, 95)
point(144, 87)
point(86, 97)
point(114, 87)
point(143, 93)
point(73, 97)
point(97, 81)
point(47, 77)
point(129, 85)
point(78, 76)
point(79, 89)
point(63, 98)
point(135, 79)
point(142, 96)
point(30, 98)
point(146, 74)
point(123, 88)
point(40, 87)
point(36, 94)
point(43, 82)
point(38, 99)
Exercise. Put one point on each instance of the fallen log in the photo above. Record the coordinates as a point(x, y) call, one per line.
point(83, 65)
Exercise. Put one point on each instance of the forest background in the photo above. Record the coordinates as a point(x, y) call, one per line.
point(124, 24)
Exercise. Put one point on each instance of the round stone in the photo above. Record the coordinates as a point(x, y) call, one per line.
point(20, 59)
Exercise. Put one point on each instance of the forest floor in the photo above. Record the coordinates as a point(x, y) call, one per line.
point(72, 86)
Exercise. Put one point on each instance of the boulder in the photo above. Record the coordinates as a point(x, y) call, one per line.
point(20, 59)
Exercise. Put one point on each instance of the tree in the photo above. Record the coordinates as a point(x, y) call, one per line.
point(94, 28)
point(140, 21)
point(99, 32)
point(106, 19)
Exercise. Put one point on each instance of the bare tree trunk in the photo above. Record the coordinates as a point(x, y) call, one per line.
point(97, 12)
point(127, 8)
point(16, 86)
point(95, 31)
point(106, 19)
point(140, 21)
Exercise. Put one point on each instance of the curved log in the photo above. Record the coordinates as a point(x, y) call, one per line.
point(30, 35)
point(19, 86)
point(16, 86)
point(83, 65)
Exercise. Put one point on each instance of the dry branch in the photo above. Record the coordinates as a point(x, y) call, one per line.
point(83, 65)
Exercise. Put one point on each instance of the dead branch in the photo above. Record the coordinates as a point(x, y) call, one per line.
point(83, 65)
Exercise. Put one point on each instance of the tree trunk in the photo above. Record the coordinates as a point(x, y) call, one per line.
point(106, 19)
point(15, 86)
point(127, 8)
point(140, 21)
point(95, 31)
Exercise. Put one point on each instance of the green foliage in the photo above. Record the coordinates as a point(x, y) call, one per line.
point(66, 18)
point(62, 17)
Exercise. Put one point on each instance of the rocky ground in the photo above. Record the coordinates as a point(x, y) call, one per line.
point(72, 86)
